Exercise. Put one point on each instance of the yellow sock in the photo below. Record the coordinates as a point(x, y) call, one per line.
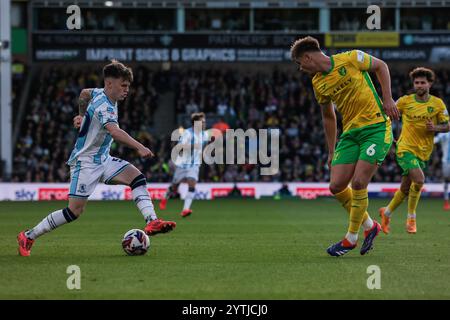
point(413, 198)
point(360, 202)
point(397, 200)
point(345, 198)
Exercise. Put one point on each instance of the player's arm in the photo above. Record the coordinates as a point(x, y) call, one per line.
point(121, 136)
point(442, 120)
point(442, 127)
point(329, 125)
point(83, 102)
point(382, 72)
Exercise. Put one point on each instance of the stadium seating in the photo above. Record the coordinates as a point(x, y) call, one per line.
point(261, 98)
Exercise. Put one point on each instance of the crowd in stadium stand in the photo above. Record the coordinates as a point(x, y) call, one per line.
point(231, 98)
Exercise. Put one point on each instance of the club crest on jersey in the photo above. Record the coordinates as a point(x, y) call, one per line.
point(82, 188)
point(342, 71)
point(430, 109)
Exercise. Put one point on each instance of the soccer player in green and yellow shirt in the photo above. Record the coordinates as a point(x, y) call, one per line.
point(343, 80)
point(422, 115)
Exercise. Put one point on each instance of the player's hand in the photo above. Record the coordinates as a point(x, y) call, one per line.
point(77, 121)
point(391, 109)
point(330, 158)
point(145, 153)
point(430, 126)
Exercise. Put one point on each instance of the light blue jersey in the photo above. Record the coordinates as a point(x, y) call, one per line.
point(94, 141)
point(444, 139)
point(194, 157)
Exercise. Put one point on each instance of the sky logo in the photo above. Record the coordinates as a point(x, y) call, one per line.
point(23, 194)
point(111, 195)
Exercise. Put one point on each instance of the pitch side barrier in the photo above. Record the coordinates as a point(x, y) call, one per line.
point(205, 191)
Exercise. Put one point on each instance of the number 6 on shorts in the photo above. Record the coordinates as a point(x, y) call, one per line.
point(371, 150)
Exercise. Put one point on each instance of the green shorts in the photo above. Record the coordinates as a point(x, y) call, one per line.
point(407, 161)
point(370, 143)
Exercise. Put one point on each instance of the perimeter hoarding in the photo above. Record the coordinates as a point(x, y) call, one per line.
point(205, 191)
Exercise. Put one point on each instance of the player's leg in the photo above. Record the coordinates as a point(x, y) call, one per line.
point(170, 193)
point(396, 201)
point(189, 197)
point(376, 141)
point(398, 197)
point(373, 144)
point(52, 221)
point(446, 202)
point(446, 173)
point(178, 177)
point(341, 175)
point(131, 176)
point(418, 179)
point(342, 169)
point(83, 182)
point(364, 172)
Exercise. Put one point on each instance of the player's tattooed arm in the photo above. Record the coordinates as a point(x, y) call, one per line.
point(83, 101)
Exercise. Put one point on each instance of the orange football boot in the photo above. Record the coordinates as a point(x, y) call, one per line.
point(385, 221)
point(411, 225)
point(159, 226)
point(446, 205)
point(25, 244)
point(186, 213)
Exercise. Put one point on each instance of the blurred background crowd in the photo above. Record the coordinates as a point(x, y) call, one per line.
point(231, 97)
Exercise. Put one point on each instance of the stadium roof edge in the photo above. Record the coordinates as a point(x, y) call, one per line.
point(216, 4)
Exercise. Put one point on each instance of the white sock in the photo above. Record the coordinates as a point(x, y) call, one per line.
point(51, 222)
point(144, 203)
point(387, 212)
point(188, 200)
point(367, 224)
point(411, 215)
point(351, 237)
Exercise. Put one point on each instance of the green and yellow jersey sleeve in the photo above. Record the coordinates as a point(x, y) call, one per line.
point(348, 85)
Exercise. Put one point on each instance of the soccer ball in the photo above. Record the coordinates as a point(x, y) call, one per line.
point(135, 242)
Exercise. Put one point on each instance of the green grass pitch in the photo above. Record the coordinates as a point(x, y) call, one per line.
point(228, 249)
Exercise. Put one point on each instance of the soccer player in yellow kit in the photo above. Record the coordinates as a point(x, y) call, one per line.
point(342, 80)
point(422, 116)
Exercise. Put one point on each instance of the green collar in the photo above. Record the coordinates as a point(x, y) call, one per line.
point(415, 98)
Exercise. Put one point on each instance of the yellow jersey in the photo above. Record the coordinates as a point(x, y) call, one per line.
point(415, 137)
point(348, 85)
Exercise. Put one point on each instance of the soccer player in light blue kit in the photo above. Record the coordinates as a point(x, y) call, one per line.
point(444, 139)
point(188, 165)
point(90, 162)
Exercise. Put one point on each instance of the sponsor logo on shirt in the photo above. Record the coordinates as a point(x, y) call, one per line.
point(360, 56)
